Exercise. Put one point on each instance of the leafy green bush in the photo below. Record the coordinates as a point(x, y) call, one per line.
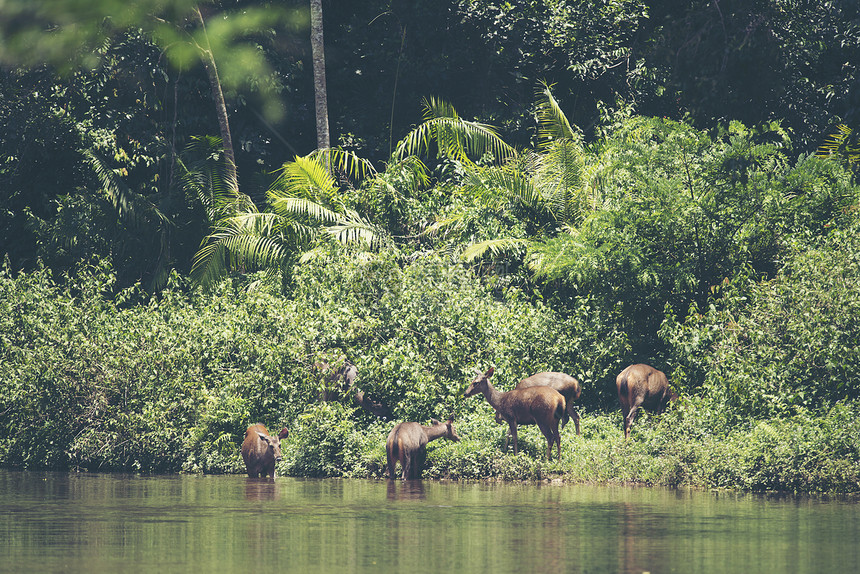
point(325, 442)
point(784, 344)
point(96, 379)
point(417, 331)
point(682, 210)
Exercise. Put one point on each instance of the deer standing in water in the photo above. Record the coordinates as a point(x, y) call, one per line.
point(407, 444)
point(261, 451)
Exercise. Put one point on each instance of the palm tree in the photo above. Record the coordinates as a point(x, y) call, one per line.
point(207, 57)
point(305, 207)
point(543, 190)
point(305, 204)
point(318, 56)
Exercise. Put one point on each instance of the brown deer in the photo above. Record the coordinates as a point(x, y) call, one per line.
point(334, 382)
point(568, 386)
point(642, 386)
point(407, 443)
point(342, 381)
point(261, 451)
point(539, 405)
point(371, 405)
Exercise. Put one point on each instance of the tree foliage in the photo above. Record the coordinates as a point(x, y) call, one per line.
point(683, 211)
point(783, 346)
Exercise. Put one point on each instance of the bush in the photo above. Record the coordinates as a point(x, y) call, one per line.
point(96, 379)
point(782, 345)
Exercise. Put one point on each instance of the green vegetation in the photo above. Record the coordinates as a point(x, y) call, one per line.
point(163, 288)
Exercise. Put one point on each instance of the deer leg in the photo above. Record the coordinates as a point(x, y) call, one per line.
point(624, 412)
point(575, 416)
point(513, 426)
point(549, 440)
point(404, 463)
point(628, 420)
point(407, 468)
point(552, 436)
point(392, 462)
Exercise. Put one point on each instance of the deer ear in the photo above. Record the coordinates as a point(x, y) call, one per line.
point(284, 433)
point(435, 422)
point(490, 372)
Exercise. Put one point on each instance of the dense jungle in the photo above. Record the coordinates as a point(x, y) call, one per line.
point(208, 207)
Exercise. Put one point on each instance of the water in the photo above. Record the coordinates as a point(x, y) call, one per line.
point(70, 523)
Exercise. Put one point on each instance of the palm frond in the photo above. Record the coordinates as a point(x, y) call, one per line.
point(247, 241)
point(344, 161)
point(409, 169)
point(451, 222)
point(417, 142)
point(438, 108)
point(306, 177)
point(288, 206)
point(513, 184)
point(130, 206)
point(560, 179)
point(231, 252)
point(353, 229)
point(843, 144)
point(553, 124)
point(835, 142)
point(454, 137)
point(203, 172)
point(495, 247)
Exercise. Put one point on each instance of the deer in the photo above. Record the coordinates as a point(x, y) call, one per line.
point(568, 386)
point(407, 444)
point(334, 381)
point(342, 380)
point(539, 405)
point(371, 405)
point(261, 451)
point(643, 386)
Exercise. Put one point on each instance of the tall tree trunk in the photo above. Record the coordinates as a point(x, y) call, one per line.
point(321, 99)
point(208, 59)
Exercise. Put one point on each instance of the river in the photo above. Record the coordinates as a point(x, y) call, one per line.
point(94, 523)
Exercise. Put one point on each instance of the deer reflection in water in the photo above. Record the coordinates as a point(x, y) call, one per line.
point(406, 490)
point(259, 489)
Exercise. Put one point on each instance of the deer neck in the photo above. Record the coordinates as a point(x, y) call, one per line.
point(493, 396)
point(435, 431)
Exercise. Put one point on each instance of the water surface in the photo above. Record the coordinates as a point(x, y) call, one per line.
point(58, 522)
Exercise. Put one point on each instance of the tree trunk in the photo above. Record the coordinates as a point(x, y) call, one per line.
point(318, 54)
point(208, 59)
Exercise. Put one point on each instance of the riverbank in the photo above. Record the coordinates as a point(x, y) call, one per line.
point(800, 455)
point(98, 380)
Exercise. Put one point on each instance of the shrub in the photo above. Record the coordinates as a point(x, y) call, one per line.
point(785, 344)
